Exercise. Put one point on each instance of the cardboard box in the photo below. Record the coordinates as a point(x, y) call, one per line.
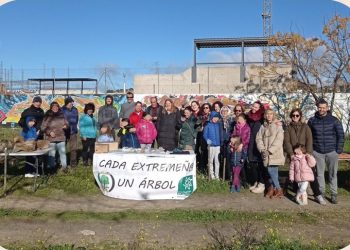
point(106, 147)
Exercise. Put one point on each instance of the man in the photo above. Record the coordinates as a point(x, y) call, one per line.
point(154, 109)
point(37, 113)
point(328, 141)
point(71, 114)
point(108, 114)
point(128, 107)
point(34, 111)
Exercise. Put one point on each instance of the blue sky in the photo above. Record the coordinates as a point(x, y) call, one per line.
point(138, 34)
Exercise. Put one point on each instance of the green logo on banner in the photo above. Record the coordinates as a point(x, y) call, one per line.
point(106, 181)
point(185, 186)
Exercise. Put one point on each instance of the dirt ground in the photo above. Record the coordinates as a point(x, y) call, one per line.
point(335, 229)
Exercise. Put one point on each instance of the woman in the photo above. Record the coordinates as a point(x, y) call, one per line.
point(256, 170)
point(88, 132)
point(217, 106)
point(298, 132)
point(269, 141)
point(168, 123)
point(188, 133)
point(227, 127)
point(201, 149)
point(53, 127)
point(136, 115)
point(195, 108)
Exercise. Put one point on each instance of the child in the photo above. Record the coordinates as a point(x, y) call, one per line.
point(29, 132)
point(127, 135)
point(237, 161)
point(105, 134)
point(146, 132)
point(212, 134)
point(301, 172)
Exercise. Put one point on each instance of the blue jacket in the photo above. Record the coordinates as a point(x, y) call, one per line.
point(29, 133)
point(72, 116)
point(105, 138)
point(327, 133)
point(213, 132)
point(128, 139)
point(87, 126)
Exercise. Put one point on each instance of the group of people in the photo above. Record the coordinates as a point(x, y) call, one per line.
point(247, 147)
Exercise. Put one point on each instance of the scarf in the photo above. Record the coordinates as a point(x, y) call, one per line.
point(257, 116)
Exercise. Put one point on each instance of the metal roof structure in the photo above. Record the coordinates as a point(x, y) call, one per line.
point(52, 82)
point(231, 42)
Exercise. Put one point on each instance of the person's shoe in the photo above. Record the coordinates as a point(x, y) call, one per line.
point(304, 198)
point(238, 189)
point(232, 189)
point(299, 199)
point(259, 188)
point(334, 199)
point(269, 192)
point(253, 187)
point(319, 199)
point(278, 193)
point(29, 175)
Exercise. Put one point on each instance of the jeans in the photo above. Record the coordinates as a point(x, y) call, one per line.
point(273, 172)
point(214, 156)
point(61, 148)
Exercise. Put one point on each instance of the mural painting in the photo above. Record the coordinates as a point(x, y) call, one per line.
point(11, 106)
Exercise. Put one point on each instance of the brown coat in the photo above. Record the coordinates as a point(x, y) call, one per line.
point(297, 133)
point(270, 139)
point(54, 123)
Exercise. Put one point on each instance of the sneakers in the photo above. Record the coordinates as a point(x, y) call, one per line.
point(235, 189)
point(334, 199)
point(321, 200)
point(259, 188)
point(253, 187)
point(31, 175)
point(232, 189)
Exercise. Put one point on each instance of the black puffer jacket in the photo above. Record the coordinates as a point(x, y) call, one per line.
point(168, 125)
point(327, 132)
point(37, 113)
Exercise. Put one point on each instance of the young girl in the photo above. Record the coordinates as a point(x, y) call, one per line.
point(146, 132)
point(301, 172)
point(237, 161)
point(127, 135)
point(105, 134)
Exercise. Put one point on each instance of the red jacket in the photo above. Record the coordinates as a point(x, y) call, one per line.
point(244, 133)
point(134, 118)
point(146, 132)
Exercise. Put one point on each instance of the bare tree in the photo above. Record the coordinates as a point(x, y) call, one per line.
point(318, 65)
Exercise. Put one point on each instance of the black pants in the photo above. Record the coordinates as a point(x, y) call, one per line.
point(256, 172)
point(88, 149)
point(201, 151)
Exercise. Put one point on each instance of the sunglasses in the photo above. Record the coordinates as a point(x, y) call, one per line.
point(238, 110)
point(130, 97)
point(295, 115)
point(206, 107)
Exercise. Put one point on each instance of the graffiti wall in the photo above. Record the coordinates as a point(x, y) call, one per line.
point(11, 106)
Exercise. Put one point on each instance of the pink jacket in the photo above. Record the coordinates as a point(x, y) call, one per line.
point(243, 132)
point(146, 132)
point(300, 168)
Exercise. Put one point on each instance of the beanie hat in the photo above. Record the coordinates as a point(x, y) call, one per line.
point(68, 100)
point(37, 99)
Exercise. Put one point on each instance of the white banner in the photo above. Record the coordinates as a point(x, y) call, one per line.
point(138, 176)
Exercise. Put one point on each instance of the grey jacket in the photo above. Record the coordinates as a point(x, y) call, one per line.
point(127, 109)
point(108, 114)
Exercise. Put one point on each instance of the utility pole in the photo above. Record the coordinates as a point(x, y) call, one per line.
point(267, 28)
point(124, 83)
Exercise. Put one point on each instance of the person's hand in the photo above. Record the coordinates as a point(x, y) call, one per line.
point(209, 142)
point(154, 117)
point(83, 138)
point(183, 118)
point(240, 147)
point(264, 154)
point(132, 130)
point(52, 134)
point(291, 181)
point(64, 126)
point(38, 132)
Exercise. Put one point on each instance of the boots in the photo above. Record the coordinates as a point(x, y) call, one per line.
point(269, 192)
point(278, 193)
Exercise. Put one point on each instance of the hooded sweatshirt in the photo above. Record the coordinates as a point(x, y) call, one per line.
point(29, 133)
point(108, 114)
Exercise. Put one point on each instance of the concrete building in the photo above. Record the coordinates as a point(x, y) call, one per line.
point(213, 80)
